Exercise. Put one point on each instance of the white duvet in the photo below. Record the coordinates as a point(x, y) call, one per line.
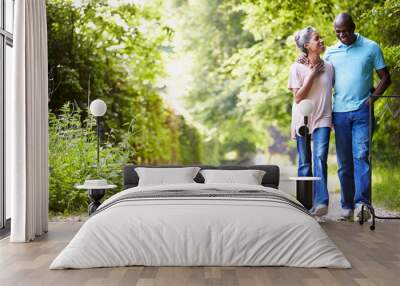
point(200, 231)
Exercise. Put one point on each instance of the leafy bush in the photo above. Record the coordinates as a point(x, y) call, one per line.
point(72, 159)
point(122, 64)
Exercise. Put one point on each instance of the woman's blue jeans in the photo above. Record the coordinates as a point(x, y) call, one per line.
point(352, 150)
point(320, 140)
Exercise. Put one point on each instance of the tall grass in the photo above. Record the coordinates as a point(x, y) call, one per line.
point(386, 187)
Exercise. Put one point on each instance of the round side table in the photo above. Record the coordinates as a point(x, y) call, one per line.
point(96, 190)
point(304, 190)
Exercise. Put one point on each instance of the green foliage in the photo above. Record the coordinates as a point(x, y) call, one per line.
point(108, 48)
point(212, 34)
point(240, 53)
point(114, 52)
point(265, 65)
point(386, 190)
point(191, 143)
point(382, 23)
point(72, 159)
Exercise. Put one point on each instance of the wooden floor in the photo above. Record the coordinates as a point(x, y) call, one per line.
point(375, 257)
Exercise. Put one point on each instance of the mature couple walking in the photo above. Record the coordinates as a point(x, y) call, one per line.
point(348, 68)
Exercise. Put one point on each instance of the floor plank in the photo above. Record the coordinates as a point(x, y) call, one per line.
point(374, 255)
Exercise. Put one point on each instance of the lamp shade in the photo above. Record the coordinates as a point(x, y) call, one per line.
point(306, 107)
point(98, 107)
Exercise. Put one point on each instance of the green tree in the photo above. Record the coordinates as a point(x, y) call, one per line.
point(212, 33)
point(113, 52)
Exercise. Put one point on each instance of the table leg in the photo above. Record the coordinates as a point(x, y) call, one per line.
point(304, 193)
point(95, 196)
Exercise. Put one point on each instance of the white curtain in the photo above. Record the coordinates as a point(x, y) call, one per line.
point(27, 124)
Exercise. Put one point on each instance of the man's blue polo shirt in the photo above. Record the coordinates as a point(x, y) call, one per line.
point(354, 68)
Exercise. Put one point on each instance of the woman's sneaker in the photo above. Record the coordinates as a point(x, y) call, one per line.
point(320, 210)
point(362, 213)
point(346, 215)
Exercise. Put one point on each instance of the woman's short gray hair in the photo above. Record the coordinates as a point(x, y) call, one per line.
point(303, 37)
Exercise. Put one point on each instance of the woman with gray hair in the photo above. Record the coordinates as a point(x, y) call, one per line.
point(313, 81)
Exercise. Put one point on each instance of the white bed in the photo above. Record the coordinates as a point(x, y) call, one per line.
point(189, 231)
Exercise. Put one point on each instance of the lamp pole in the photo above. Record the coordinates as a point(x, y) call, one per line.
point(98, 140)
point(305, 145)
point(98, 108)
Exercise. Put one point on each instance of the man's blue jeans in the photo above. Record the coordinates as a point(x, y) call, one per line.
point(352, 150)
point(320, 139)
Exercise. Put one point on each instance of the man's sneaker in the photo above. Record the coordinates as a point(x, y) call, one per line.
point(358, 213)
point(320, 210)
point(346, 215)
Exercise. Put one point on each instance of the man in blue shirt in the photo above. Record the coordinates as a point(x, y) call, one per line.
point(354, 58)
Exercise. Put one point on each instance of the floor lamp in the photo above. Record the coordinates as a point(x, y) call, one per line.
point(370, 207)
point(98, 108)
point(304, 185)
point(96, 188)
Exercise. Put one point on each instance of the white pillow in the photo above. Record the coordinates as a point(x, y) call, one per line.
point(248, 177)
point(165, 176)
